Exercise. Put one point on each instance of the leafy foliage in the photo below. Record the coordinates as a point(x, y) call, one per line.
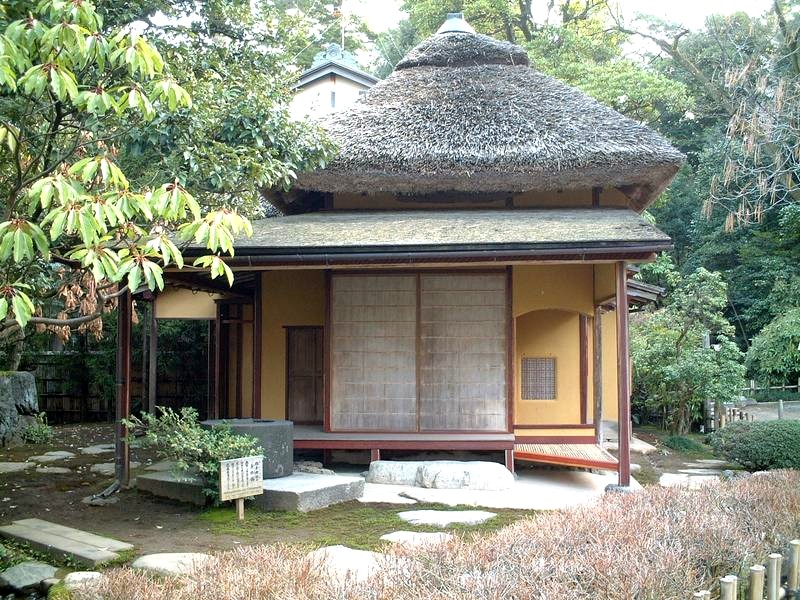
point(759, 445)
point(682, 443)
point(38, 433)
point(676, 371)
point(73, 226)
point(774, 356)
point(179, 437)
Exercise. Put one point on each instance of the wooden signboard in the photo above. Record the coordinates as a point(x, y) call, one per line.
point(240, 478)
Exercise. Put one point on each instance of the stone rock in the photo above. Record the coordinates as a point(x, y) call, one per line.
point(457, 475)
point(100, 501)
point(445, 518)
point(81, 579)
point(417, 538)
point(53, 470)
point(310, 466)
point(49, 457)
point(15, 467)
point(18, 405)
point(164, 465)
point(183, 487)
point(615, 488)
point(275, 436)
point(305, 492)
point(108, 469)
point(346, 565)
point(98, 449)
point(27, 576)
point(393, 472)
point(170, 563)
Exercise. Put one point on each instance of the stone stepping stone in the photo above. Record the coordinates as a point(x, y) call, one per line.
point(82, 579)
point(445, 518)
point(170, 563)
point(53, 470)
point(65, 542)
point(700, 471)
point(161, 466)
point(183, 487)
point(346, 565)
point(108, 469)
point(417, 538)
point(15, 467)
point(686, 480)
point(305, 492)
point(442, 474)
point(49, 457)
point(27, 576)
point(98, 449)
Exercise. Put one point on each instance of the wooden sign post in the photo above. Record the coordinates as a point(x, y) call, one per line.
point(240, 478)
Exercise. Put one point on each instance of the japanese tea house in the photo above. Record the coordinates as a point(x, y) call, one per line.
point(456, 278)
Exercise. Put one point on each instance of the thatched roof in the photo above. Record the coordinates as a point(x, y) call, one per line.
point(465, 112)
point(452, 230)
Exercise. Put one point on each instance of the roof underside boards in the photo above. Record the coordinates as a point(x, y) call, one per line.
point(451, 231)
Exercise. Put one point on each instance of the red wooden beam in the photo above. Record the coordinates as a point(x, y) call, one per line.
point(623, 377)
point(583, 336)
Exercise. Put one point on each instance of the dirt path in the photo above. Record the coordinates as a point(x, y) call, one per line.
point(768, 411)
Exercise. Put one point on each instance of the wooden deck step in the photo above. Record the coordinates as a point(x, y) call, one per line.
point(570, 455)
point(65, 542)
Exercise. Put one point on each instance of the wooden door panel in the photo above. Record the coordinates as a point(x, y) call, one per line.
point(304, 374)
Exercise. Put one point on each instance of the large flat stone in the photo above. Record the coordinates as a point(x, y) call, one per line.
point(445, 518)
point(82, 579)
point(305, 492)
point(108, 469)
point(183, 487)
point(170, 563)
point(442, 474)
point(344, 564)
point(26, 576)
point(53, 470)
point(15, 467)
point(98, 449)
point(65, 542)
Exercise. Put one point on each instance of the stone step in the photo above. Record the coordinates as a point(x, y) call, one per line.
point(305, 492)
point(175, 486)
point(61, 541)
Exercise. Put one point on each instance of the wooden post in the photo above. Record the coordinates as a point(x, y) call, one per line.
point(773, 576)
point(793, 581)
point(152, 363)
point(728, 587)
point(258, 318)
point(755, 589)
point(240, 509)
point(597, 374)
point(583, 343)
point(123, 409)
point(623, 377)
point(780, 407)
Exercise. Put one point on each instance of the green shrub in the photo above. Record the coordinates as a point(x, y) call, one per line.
point(179, 437)
point(681, 443)
point(40, 432)
point(759, 445)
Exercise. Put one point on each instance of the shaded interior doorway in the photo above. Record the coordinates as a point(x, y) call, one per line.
point(304, 374)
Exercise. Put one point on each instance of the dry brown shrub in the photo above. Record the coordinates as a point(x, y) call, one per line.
point(661, 543)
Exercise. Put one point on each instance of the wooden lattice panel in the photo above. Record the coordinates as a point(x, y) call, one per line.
point(538, 379)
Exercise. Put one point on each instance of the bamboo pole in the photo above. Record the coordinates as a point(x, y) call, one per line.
point(756, 585)
point(728, 587)
point(794, 567)
point(774, 576)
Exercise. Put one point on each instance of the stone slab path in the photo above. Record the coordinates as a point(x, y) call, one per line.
point(445, 518)
point(62, 541)
point(417, 538)
point(15, 467)
point(170, 563)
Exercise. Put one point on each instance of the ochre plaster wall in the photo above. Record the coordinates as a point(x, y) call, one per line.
point(180, 303)
point(559, 287)
point(289, 298)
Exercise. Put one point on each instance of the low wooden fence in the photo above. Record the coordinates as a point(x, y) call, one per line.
point(762, 578)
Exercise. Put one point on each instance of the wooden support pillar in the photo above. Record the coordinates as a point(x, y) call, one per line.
point(152, 361)
point(219, 380)
point(623, 377)
point(257, 325)
point(510, 459)
point(583, 335)
point(123, 375)
point(597, 374)
point(374, 454)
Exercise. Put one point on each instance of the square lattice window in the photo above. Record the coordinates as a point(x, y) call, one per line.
point(538, 379)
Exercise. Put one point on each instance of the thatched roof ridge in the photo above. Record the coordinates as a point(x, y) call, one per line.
point(464, 112)
point(463, 49)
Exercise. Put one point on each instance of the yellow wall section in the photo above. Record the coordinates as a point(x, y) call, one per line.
point(609, 338)
point(179, 303)
point(562, 287)
point(289, 298)
point(545, 334)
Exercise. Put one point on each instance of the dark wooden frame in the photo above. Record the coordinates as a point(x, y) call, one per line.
point(623, 377)
point(258, 321)
point(583, 335)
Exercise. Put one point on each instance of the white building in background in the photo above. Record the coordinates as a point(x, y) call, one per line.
point(333, 82)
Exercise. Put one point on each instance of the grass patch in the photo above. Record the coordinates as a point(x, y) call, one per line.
point(683, 443)
point(647, 475)
point(351, 524)
point(17, 552)
point(691, 445)
point(59, 592)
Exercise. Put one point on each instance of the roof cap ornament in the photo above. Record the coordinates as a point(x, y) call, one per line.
point(455, 23)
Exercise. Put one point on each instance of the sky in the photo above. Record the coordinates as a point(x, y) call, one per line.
point(383, 14)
